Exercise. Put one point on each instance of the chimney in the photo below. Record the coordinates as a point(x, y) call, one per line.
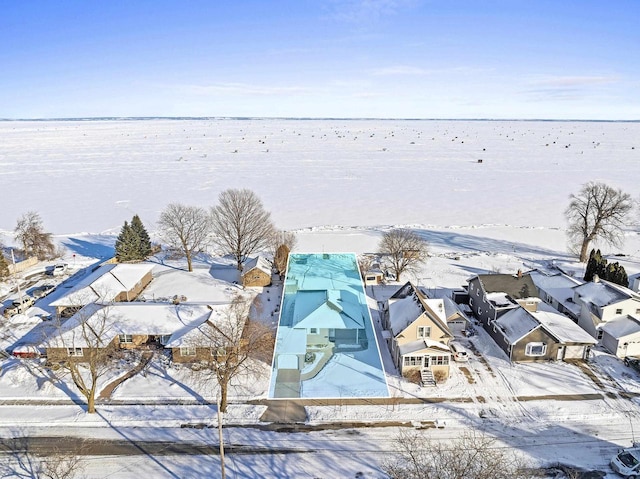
point(519, 274)
point(596, 278)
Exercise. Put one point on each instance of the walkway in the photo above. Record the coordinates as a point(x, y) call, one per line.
point(109, 388)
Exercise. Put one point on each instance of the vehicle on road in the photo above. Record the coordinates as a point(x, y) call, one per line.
point(19, 306)
point(627, 462)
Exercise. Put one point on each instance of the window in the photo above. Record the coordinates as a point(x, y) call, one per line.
point(599, 334)
point(637, 311)
point(74, 352)
point(413, 360)
point(536, 349)
point(125, 338)
point(313, 331)
point(187, 351)
point(619, 311)
point(470, 301)
point(471, 285)
point(477, 292)
point(424, 331)
point(439, 360)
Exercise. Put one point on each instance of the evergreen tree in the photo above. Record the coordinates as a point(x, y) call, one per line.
point(591, 266)
point(144, 242)
point(127, 244)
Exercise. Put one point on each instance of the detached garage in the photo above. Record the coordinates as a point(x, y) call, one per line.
point(622, 336)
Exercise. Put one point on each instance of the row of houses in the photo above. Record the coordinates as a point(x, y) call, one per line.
point(103, 303)
point(538, 316)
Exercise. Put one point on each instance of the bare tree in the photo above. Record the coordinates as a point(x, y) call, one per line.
point(31, 235)
point(186, 228)
point(596, 212)
point(404, 249)
point(241, 226)
point(471, 456)
point(84, 350)
point(282, 242)
point(230, 345)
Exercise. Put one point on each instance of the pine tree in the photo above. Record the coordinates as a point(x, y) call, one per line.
point(591, 266)
point(127, 244)
point(144, 242)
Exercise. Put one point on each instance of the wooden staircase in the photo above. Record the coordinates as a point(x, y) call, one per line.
point(427, 378)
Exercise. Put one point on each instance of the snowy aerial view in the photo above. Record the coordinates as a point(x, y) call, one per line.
point(378, 239)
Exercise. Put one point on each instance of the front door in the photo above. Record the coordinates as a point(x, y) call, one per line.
point(426, 362)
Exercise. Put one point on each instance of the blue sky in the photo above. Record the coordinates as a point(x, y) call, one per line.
point(556, 59)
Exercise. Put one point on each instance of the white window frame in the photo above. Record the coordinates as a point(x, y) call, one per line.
point(619, 311)
point(313, 330)
point(424, 329)
point(75, 352)
point(529, 349)
point(187, 351)
point(125, 338)
point(409, 361)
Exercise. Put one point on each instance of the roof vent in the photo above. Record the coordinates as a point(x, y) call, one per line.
point(596, 278)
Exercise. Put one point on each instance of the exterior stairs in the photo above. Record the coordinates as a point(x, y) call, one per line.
point(427, 378)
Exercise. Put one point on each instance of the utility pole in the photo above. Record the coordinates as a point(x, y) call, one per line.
point(13, 260)
point(220, 438)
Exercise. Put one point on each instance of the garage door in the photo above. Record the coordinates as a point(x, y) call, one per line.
point(574, 352)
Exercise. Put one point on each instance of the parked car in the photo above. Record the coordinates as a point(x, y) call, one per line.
point(59, 269)
point(459, 353)
point(19, 306)
point(632, 362)
point(43, 290)
point(627, 461)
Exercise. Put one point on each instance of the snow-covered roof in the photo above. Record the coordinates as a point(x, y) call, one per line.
point(129, 318)
point(420, 344)
point(516, 286)
point(501, 300)
point(604, 293)
point(192, 332)
point(403, 312)
point(622, 326)
point(451, 309)
point(104, 284)
point(550, 282)
point(560, 326)
point(258, 262)
point(327, 309)
point(517, 323)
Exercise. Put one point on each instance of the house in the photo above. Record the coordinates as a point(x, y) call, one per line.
point(602, 302)
point(256, 272)
point(557, 291)
point(109, 283)
point(634, 282)
point(122, 326)
point(540, 334)
point(200, 341)
point(418, 334)
point(373, 275)
point(492, 295)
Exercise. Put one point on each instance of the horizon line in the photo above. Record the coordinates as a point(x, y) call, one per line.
point(305, 118)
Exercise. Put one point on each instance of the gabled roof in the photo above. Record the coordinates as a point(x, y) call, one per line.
point(104, 284)
point(159, 319)
point(195, 332)
point(258, 262)
point(334, 309)
point(519, 322)
point(622, 326)
point(516, 286)
point(604, 293)
point(413, 304)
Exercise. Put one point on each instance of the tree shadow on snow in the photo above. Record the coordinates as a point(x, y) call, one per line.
point(89, 249)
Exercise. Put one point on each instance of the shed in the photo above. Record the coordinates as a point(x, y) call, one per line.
point(256, 272)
